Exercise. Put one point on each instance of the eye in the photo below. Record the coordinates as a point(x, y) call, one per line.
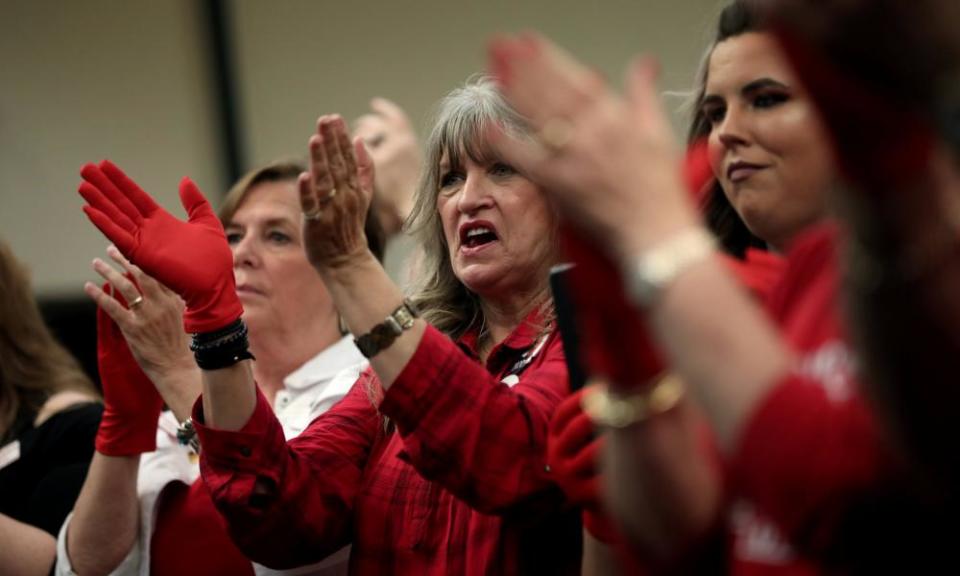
point(714, 113)
point(450, 179)
point(769, 99)
point(501, 169)
point(278, 237)
point(234, 237)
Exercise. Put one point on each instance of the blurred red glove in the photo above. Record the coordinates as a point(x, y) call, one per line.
point(131, 403)
point(573, 452)
point(192, 258)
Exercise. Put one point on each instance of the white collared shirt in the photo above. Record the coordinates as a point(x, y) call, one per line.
point(308, 392)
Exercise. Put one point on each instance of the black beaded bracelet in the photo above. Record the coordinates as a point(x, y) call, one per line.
point(223, 348)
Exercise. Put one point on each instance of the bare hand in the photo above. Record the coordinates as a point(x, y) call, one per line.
point(335, 196)
point(610, 163)
point(152, 324)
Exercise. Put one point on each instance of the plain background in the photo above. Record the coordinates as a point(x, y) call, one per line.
point(131, 81)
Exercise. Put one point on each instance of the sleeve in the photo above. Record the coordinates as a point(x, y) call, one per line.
point(289, 504)
point(805, 458)
point(480, 439)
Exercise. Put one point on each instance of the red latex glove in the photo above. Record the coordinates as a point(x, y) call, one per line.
point(131, 403)
point(573, 451)
point(192, 258)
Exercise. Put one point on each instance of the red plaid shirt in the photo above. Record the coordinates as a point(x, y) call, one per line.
point(456, 484)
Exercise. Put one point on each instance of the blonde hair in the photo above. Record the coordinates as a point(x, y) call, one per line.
point(459, 128)
point(286, 170)
point(33, 365)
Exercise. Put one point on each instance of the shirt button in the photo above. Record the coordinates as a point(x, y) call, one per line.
point(245, 451)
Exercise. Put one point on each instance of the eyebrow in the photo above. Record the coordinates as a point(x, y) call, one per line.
point(747, 90)
point(266, 223)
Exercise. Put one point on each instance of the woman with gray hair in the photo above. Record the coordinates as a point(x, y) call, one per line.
point(434, 462)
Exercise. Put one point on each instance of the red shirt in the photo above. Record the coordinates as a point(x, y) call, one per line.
point(811, 445)
point(454, 484)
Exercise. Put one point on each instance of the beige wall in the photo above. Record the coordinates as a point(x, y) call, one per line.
point(129, 81)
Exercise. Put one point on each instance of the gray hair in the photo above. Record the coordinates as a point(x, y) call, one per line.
point(459, 129)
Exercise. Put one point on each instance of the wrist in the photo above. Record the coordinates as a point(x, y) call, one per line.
point(347, 271)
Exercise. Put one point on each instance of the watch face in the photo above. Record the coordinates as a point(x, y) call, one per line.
point(404, 318)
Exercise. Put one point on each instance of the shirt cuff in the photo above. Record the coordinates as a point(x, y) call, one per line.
point(412, 393)
point(244, 450)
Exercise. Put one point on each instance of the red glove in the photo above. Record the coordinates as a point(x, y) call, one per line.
point(614, 339)
point(192, 258)
point(131, 403)
point(573, 451)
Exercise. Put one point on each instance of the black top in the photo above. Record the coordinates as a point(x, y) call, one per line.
point(40, 487)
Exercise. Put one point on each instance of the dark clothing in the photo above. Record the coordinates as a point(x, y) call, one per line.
point(40, 487)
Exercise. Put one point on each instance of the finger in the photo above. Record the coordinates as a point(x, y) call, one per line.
point(366, 170)
point(95, 176)
point(97, 199)
point(122, 285)
point(335, 161)
point(539, 79)
point(121, 238)
point(371, 128)
point(193, 201)
point(576, 435)
point(308, 198)
point(320, 176)
point(144, 283)
point(140, 199)
point(642, 94)
point(584, 462)
point(528, 156)
point(116, 314)
point(346, 150)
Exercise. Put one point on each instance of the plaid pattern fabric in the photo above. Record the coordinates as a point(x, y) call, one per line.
point(455, 484)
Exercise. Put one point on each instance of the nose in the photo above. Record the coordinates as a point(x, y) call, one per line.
point(475, 193)
point(732, 130)
point(245, 252)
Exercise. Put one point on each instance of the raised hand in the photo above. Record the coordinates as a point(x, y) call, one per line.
point(609, 162)
point(152, 326)
point(192, 257)
point(335, 196)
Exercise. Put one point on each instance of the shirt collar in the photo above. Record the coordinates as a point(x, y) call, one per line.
point(324, 365)
point(521, 339)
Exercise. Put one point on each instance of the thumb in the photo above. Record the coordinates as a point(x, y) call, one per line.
point(366, 172)
point(642, 95)
point(193, 202)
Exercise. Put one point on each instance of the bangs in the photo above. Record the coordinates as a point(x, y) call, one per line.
point(466, 117)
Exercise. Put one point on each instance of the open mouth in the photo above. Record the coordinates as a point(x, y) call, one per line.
point(477, 234)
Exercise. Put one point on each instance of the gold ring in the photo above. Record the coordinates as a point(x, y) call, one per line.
point(314, 215)
point(135, 302)
point(556, 134)
point(329, 196)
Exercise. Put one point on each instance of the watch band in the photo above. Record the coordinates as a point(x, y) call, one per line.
point(383, 334)
point(649, 274)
